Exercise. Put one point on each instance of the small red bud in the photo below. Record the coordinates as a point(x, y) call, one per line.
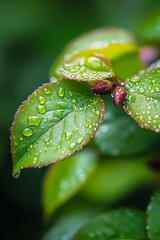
point(103, 87)
point(119, 95)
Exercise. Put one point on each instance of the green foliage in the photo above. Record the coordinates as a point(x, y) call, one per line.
point(48, 123)
point(143, 94)
point(61, 117)
point(153, 218)
point(65, 179)
point(122, 223)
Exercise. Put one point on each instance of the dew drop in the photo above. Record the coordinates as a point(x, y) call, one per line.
point(68, 135)
point(35, 160)
point(16, 175)
point(34, 120)
point(21, 138)
point(41, 99)
point(72, 146)
point(53, 79)
point(141, 90)
point(41, 109)
point(15, 143)
point(61, 92)
point(80, 140)
point(135, 79)
point(27, 132)
point(47, 91)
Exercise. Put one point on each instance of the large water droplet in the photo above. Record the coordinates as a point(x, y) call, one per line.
point(80, 140)
point(72, 146)
point(96, 63)
point(34, 120)
point(35, 160)
point(135, 79)
point(27, 132)
point(41, 109)
point(41, 99)
point(61, 92)
point(47, 91)
point(68, 135)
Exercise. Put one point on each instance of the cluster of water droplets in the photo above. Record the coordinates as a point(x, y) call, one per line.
point(39, 140)
point(143, 98)
point(87, 68)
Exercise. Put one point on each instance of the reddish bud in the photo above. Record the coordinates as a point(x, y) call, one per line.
point(119, 95)
point(103, 87)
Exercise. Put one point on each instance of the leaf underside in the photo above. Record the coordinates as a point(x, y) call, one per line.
point(143, 98)
point(57, 119)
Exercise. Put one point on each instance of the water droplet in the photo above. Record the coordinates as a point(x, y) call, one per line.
point(141, 90)
point(41, 99)
point(96, 63)
point(41, 109)
point(21, 138)
point(47, 91)
point(35, 160)
point(17, 175)
point(72, 146)
point(15, 143)
point(80, 140)
point(53, 79)
point(27, 132)
point(61, 92)
point(68, 135)
point(152, 91)
point(34, 120)
point(135, 79)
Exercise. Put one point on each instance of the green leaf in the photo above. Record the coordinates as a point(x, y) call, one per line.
point(123, 223)
point(73, 215)
point(118, 133)
point(143, 97)
point(121, 177)
point(64, 180)
point(57, 120)
point(153, 218)
point(88, 57)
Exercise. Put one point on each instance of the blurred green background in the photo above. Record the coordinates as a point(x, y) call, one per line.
point(32, 34)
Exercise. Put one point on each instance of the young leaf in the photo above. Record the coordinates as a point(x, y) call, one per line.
point(120, 135)
point(63, 180)
point(153, 218)
point(57, 120)
point(123, 223)
point(143, 97)
point(88, 57)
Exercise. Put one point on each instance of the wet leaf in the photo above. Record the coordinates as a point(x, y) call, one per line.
point(143, 97)
point(64, 180)
point(115, 178)
point(57, 120)
point(153, 218)
point(120, 135)
point(123, 223)
point(88, 57)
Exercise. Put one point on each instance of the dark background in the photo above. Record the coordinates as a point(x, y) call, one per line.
point(32, 34)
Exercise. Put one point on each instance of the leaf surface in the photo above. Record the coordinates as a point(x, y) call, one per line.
point(57, 120)
point(88, 57)
point(120, 135)
point(64, 180)
point(123, 223)
point(143, 97)
point(153, 218)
